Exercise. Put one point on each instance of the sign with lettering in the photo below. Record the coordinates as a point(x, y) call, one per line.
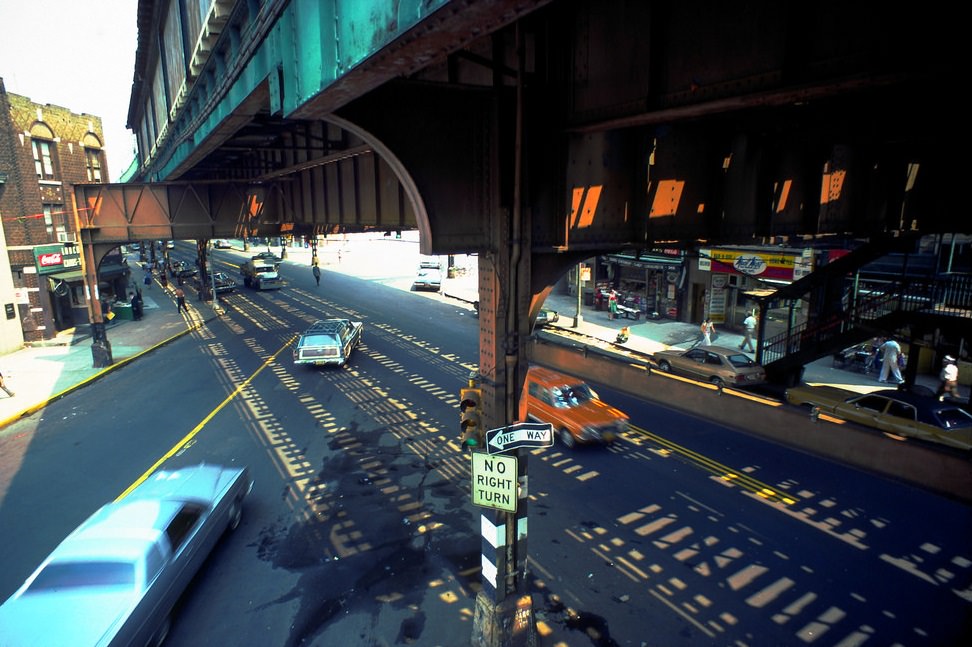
point(494, 481)
point(521, 434)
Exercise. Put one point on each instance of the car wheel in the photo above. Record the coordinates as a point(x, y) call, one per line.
point(235, 514)
point(664, 366)
point(567, 438)
point(717, 382)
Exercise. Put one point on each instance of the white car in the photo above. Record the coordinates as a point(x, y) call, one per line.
point(329, 341)
point(117, 577)
point(428, 277)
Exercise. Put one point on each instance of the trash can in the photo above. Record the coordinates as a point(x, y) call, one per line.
point(123, 311)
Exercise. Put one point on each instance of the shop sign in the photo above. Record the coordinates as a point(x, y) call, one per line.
point(766, 265)
point(49, 258)
point(749, 264)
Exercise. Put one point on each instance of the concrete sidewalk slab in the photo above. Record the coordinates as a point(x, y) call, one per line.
point(43, 372)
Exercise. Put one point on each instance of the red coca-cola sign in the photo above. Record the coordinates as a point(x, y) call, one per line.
point(50, 259)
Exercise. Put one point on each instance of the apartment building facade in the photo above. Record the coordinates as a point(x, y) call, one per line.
point(44, 151)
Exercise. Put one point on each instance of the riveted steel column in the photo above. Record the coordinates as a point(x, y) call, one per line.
point(504, 608)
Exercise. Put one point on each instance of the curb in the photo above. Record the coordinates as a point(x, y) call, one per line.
point(120, 363)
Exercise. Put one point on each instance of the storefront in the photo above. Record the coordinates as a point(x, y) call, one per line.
point(651, 283)
point(59, 271)
point(727, 282)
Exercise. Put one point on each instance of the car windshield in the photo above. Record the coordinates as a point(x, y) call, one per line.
point(740, 361)
point(65, 575)
point(566, 396)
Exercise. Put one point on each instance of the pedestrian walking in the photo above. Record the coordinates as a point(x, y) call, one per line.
point(164, 280)
point(707, 329)
point(181, 301)
point(613, 305)
point(3, 385)
point(889, 365)
point(137, 305)
point(949, 377)
point(749, 323)
point(317, 273)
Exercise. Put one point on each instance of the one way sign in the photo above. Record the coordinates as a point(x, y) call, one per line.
point(521, 434)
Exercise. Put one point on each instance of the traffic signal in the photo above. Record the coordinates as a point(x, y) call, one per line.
point(471, 417)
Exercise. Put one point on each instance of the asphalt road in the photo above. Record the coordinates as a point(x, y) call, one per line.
point(359, 530)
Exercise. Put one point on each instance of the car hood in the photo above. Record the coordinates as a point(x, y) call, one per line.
point(82, 617)
point(596, 412)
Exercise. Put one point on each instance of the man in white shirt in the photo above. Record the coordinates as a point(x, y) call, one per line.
point(891, 350)
point(749, 323)
point(949, 385)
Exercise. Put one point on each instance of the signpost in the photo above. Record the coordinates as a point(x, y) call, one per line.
point(494, 481)
point(521, 434)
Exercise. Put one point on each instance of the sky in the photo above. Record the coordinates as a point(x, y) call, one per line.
point(77, 54)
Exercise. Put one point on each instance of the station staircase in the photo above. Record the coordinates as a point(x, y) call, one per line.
point(907, 303)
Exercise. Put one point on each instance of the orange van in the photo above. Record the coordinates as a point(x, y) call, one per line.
point(572, 407)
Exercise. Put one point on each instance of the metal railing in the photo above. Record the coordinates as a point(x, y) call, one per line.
point(948, 296)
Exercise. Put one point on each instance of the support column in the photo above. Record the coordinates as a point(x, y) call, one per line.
point(504, 608)
point(100, 346)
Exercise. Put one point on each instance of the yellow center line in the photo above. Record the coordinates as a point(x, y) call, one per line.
point(718, 469)
point(199, 427)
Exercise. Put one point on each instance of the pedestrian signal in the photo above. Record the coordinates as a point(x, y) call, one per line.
point(471, 417)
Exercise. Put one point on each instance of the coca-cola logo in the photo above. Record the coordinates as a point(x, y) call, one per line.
point(50, 260)
point(749, 264)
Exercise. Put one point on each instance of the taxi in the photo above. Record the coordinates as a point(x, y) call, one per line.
point(572, 407)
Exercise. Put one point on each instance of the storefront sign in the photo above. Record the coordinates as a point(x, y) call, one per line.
point(49, 258)
point(750, 264)
point(764, 265)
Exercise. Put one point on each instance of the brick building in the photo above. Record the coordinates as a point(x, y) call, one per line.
point(44, 151)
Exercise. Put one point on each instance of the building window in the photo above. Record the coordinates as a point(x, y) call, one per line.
point(92, 161)
point(44, 159)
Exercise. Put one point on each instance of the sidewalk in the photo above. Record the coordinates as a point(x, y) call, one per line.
point(647, 337)
point(45, 371)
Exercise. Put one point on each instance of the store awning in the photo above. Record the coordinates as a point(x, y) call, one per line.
point(73, 275)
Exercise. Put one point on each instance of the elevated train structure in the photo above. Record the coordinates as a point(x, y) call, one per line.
point(541, 133)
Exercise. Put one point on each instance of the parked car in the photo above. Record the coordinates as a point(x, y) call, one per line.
point(329, 341)
point(572, 407)
point(714, 364)
point(428, 277)
point(224, 282)
point(220, 243)
point(546, 316)
point(116, 578)
point(899, 412)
